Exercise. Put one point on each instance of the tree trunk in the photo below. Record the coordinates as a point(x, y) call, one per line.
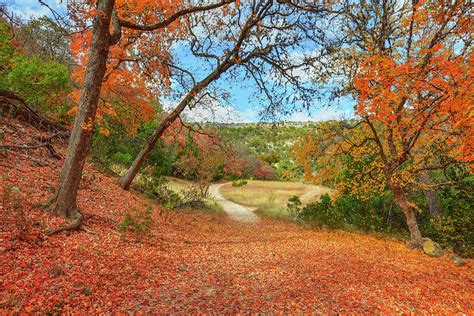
point(64, 201)
point(431, 196)
point(435, 208)
point(127, 179)
point(403, 203)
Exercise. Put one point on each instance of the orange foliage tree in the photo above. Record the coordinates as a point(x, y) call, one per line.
point(414, 107)
point(124, 36)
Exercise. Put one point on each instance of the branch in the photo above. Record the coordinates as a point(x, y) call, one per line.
point(172, 18)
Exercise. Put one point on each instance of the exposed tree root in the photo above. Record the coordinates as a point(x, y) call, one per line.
point(11, 103)
point(83, 228)
point(48, 145)
point(73, 225)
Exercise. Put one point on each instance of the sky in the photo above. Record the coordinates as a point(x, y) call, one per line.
point(241, 106)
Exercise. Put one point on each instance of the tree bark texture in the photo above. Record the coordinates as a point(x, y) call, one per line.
point(64, 202)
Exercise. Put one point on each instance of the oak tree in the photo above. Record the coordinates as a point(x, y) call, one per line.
point(120, 28)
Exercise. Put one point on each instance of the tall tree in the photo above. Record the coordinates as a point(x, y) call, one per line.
point(116, 25)
point(414, 90)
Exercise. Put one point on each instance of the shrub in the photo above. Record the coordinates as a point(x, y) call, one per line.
point(239, 182)
point(194, 196)
point(294, 206)
point(265, 172)
point(455, 228)
point(377, 214)
point(138, 222)
point(122, 158)
point(322, 213)
point(154, 186)
point(43, 84)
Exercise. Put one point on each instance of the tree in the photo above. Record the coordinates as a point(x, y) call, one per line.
point(45, 38)
point(264, 39)
point(115, 26)
point(413, 84)
point(37, 81)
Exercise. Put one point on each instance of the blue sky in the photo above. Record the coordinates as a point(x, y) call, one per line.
point(242, 108)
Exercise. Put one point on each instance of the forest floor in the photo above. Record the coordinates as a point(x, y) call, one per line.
point(193, 261)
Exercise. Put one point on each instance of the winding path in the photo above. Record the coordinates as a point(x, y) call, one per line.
point(236, 211)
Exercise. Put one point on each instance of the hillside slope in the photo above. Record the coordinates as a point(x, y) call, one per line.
point(193, 261)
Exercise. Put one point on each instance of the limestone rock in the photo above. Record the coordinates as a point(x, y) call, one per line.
point(458, 261)
point(15, 190)
point(432, 248)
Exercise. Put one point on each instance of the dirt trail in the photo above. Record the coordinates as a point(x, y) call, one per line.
point(194, 262)
point(236, 211)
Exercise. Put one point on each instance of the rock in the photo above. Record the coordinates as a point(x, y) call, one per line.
point(432, 248)
point(458, 261)
point(210, 290)
point(15, 190)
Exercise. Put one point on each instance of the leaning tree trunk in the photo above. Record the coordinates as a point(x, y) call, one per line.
point(403, 203)
point(64, 201)
point(127, 179)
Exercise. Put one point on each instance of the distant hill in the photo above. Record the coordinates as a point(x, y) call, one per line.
point(271, 142)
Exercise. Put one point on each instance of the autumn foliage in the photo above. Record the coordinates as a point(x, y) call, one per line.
point(127, 96)
point(195, 262)
point(74, 241)
point(414, 112)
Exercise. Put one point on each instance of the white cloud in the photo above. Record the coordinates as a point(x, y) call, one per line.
point(218, 114)
point(32, 8)
point(214, 112)
point(324, 114)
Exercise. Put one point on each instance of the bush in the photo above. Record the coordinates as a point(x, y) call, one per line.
point(454, 231)
point(122, 158)
point(154, 186)
point(239, 182)
point(322, 213)
point(455, 228)
point(138, 222)
point(294, 206)
point(377, 214)
point(43, 84)
point(194, 196)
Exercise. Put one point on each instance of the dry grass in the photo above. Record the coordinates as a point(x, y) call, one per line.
point(181, 185)
point(271, 197)
point(178, 185)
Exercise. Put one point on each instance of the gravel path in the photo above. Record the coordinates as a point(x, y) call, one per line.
point(236, 211)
